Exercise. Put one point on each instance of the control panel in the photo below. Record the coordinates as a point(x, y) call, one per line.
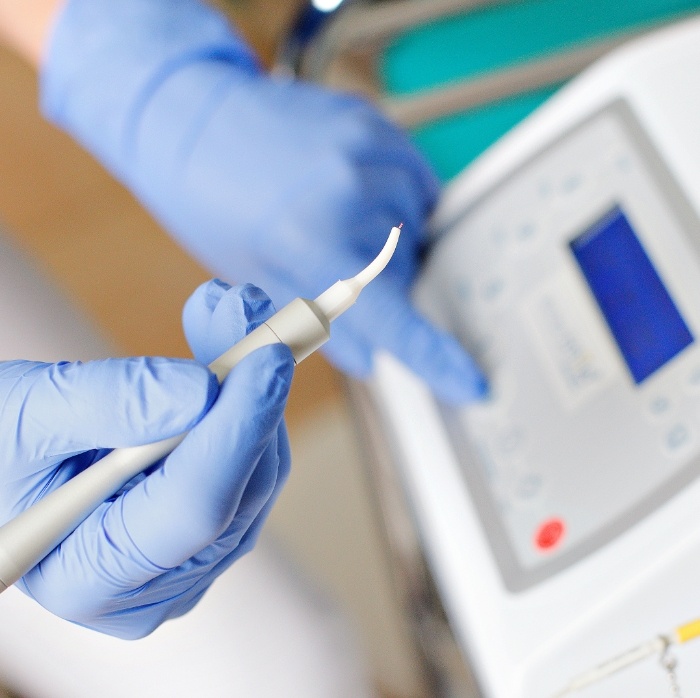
point(575, 282)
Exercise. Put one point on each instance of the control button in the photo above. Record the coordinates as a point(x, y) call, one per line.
point(510, 441)
point(550, 534)
point(528, 487)
point(571, 183)
point(485, 416)
point(488, 464)
point(659, 407)
point(493, 289)
point(499, 237)
point(678, 440)
point(525, 232)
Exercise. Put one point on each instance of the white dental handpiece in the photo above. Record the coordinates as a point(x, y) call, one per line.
point(303, 325)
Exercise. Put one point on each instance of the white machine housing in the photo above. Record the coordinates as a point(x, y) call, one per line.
point(561, 518)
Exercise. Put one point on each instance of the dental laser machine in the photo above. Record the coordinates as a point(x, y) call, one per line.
point(303, 325)
point(560, 519)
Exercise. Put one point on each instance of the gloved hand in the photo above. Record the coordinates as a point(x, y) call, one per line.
point(151, 551)
point(280, 183)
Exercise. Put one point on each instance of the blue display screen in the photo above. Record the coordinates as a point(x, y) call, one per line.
point(636, 305)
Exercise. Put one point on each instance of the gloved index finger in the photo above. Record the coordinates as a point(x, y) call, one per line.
point(389, 321)
point(217, 316)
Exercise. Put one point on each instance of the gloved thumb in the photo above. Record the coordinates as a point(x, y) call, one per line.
point(73, 407)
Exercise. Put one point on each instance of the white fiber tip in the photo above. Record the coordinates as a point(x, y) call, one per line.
point(341, 295)
point(381, 260)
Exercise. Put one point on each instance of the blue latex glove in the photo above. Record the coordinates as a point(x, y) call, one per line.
point(280, 183)
point(150, 552)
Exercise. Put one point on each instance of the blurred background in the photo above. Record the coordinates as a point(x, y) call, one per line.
point(97, 244)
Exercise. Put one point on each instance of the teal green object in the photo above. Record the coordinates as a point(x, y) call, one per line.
point(453, 142)
point(503, 35)
point(496, 37)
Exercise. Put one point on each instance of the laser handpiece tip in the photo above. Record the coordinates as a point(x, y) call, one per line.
point(339, 297)
point(381, 260)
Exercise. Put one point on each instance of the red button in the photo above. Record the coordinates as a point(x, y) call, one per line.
point(550, 534)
